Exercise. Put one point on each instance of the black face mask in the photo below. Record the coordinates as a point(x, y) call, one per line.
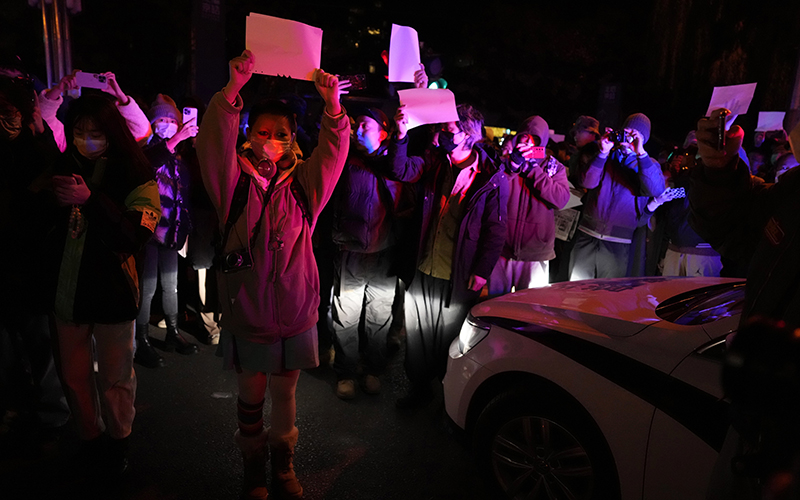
point(446, 142)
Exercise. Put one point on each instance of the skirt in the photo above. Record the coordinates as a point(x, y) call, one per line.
point(299, 352)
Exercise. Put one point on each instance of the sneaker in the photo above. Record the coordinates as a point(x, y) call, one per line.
point(346, 389)
point(371, 385)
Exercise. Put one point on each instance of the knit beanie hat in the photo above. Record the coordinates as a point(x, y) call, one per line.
point(638, 121)
point(164, 107)
point(537, 127)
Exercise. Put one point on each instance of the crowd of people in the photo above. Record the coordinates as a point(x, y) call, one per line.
point(302, 242)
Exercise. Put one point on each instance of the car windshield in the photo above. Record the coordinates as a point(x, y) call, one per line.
point(703, 305)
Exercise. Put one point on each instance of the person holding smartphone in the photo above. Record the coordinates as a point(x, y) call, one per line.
point(109, 210)
point(161, 253)
point(53, 98)
point(537, 187)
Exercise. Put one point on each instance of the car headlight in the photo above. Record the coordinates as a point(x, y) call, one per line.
point(472, 331)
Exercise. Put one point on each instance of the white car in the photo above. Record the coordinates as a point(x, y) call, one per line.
point(605, 388)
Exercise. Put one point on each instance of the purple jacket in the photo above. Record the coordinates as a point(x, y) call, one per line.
point(614, 182)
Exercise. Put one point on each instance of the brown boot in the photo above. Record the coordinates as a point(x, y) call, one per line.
point(283, 478)
point(254, 455)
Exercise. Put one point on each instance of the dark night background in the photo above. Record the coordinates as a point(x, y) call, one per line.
point(509, 59)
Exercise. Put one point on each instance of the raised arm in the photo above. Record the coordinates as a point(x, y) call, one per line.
point(589, 178)
point(137, 121)
point(403, 167)
point(319, 174)
point(216, 138)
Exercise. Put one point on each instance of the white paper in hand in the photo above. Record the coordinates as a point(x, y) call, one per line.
point(428, 106)
point(736, 98)
point(282, 47)
point(404, 57)
point(770, 120)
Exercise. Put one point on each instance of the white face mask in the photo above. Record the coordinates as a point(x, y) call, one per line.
point(166, 130)
point(271, 149)
point(91, 148)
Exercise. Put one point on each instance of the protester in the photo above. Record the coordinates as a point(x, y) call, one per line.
point(30, 390)
point(621, 171)
point(363, 212)
point(161, 253)
point(110, 210)
point(581, 150)
point(462, 202)
point(366, 221)
point(52, 99)
point(537, 187)
point(268, 202)
point(687, 254)
point(755, 225)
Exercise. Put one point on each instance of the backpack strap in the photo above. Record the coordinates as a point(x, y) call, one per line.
point(302, 200)
point(238, 202)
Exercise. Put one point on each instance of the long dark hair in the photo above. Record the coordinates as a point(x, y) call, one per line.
point(122, 145)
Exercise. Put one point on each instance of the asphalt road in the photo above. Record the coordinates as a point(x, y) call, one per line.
point(182, 446)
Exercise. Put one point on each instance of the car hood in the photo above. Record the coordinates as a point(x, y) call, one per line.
point(619, 307)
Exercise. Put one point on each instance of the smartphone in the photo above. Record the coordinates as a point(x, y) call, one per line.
point(64, 180)
point(357, 82)
point(538, 152)
point(190, 114)
point(721, 129)
point(91, 80)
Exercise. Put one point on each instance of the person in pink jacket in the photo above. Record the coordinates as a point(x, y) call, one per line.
point(268, 278)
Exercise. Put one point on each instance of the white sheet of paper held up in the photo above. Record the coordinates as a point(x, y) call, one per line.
point(282, 47)
point(404, 57)
point(770, 120)
point(428, 106)
point(736, 98)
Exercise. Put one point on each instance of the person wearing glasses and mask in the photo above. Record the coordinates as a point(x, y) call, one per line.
point(462, 202)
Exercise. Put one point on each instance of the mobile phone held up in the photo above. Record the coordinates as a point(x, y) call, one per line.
point(190, 114)
point(538, 152)
point(91, 80)
point(357, 82)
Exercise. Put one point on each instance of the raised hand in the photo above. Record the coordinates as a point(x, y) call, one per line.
point(240, 69)
point(707, 141)
point(328, 88)
point(187, 130)
point(66, 83)
point(401, 120)
point(636, 141)
point(421, 78)
point(605, 143)
point(114, 89)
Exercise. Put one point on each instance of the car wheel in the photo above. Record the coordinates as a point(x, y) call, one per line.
point(533, 446)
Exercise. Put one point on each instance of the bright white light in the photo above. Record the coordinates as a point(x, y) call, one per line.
point(472, 331)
